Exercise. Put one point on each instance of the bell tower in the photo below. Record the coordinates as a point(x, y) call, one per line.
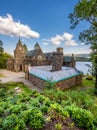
point(19, 55)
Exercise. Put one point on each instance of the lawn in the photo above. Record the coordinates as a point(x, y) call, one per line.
point(1, 75)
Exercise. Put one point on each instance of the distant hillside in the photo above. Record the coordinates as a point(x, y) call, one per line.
point(82, 57)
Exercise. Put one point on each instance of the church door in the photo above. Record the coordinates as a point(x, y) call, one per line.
point(20, 67)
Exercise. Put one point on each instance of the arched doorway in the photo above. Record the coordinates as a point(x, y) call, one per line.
point(20, 67)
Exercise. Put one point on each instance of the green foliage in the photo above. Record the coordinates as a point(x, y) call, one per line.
point(1, 111)
point(3, 60)
point(35, 93)
point(89, 77)
point(58, 126)
point(36, 120)
point(86, 10)
point(50, 84)
point(33, 110)
point(1, 48)
point(12, 122)
point(56, 108)
point(33, 118)
point(82, 117)
point(44, 109)
point(54, 94)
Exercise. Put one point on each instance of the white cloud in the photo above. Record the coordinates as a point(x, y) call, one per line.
point(82, 43)
point(56, 40)
point(67, 38)
point(45, 43)
point(70, 43)
point(10, 27)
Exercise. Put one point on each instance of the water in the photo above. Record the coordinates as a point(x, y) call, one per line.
point(82, 66)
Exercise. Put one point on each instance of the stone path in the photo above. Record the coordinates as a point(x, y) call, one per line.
point(16, 77)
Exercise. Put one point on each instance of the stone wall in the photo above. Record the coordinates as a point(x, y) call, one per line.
point(64, 84)
point(10, 64)
point(57, 59)
point(37, 81)
point(70, 82)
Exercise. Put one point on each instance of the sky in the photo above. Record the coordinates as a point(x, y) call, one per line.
point(42, 21)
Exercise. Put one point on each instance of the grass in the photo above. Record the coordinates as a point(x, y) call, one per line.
point(12, 85)
point(86, 85)
point(1, 75)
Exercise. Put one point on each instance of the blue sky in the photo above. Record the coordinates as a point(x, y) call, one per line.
point(42, 21)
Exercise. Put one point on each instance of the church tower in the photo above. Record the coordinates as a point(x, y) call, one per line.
point(19, 55)
point(37, 47)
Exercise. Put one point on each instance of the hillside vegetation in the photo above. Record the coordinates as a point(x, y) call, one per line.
point(53, 109)
point(3, 60)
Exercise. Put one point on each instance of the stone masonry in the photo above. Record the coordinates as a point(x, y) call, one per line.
point(63, 84)
point(57, 59)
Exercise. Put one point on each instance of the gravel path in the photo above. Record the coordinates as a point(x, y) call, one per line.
point(16, 77)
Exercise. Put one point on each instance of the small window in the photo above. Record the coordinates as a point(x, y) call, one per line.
point(29, 56)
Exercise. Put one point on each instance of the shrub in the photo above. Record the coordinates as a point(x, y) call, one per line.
point(49, 84)
point(44, 100)
point(44, 109)
point(1, 120)
point(58, 126)
point(12, 122)
point(35, 93)
point(15, 109)
point(2, 92)
point(33, 118)
point(1, 111)
point(58, 109)
point(89, 77)
point(36, 120)
point(81, 117)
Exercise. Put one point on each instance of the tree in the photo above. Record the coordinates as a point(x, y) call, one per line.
point(1, 48)
point(3, 60)
point(86, 10)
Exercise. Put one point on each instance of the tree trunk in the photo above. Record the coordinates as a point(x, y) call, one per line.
point(96, 81)
point(95, 90)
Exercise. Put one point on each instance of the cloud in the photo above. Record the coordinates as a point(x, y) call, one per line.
point(82, 44)
point(45, 43)
point(70, 43)
point(67, 38)
point(56, 40)
point(10, 27)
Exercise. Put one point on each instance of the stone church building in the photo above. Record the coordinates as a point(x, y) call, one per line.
point(23, 58)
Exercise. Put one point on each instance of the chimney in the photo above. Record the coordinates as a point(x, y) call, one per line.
point(57, 59)
point(73, 61)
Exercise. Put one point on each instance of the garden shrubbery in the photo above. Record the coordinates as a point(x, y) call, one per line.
point(89, 77)
point(33, 110)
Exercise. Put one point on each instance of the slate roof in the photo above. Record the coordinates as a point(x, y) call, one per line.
point(31, 53)
point(48, 55)
point(65, 58)
point(45, 73)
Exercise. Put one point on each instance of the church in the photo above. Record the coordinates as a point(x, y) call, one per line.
point(40, 67)
point(36, 57)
